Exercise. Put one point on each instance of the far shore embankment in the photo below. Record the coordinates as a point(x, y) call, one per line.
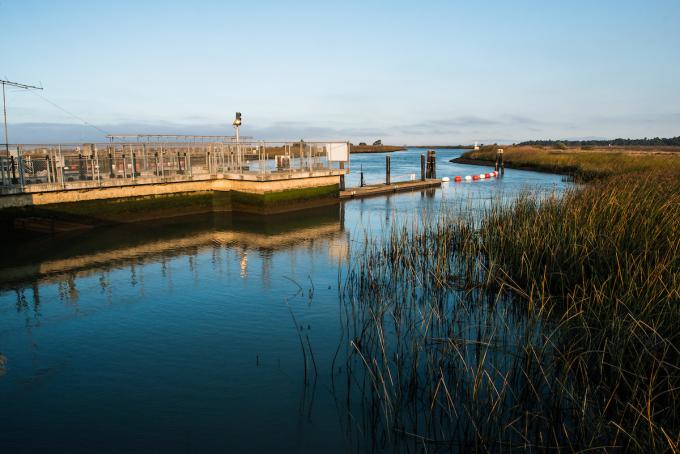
point(375, 148)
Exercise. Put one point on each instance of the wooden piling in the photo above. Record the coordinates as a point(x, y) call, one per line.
point(342, 177)
point(431, 164)
point(500, 167)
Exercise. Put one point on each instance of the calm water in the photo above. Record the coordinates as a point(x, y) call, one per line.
point(178, 336)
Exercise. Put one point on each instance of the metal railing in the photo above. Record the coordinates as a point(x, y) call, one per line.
point(55, 167)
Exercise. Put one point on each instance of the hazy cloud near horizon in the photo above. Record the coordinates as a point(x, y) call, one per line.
point(468, 129)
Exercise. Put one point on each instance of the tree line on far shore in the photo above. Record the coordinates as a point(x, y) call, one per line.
point(655, 142)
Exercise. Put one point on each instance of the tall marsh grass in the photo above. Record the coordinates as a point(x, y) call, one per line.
point(583, 165)
point(546, 324)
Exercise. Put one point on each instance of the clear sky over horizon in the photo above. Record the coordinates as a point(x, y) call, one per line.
point(424, 72)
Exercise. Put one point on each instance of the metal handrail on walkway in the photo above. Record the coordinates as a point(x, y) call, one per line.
point(63, 166)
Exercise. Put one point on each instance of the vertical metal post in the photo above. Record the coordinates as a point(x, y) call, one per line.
point(13, 165)
point(51, 177)
point(342, 177)
point(47, 167)
point(222, 157)
point(21, 171)
point(239, 157)
point(387, 170)
point(145, 162)
point(434, 164)
point(266, 158)
point(96, 160)
point(61, 167)
point(81, 169)
point(4, 111)
point(55, 170)
point(4, 104)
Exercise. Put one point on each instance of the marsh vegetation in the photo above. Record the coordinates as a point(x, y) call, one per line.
point(545, 323)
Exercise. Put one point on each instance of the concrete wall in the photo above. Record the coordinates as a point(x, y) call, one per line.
point(145, 190)
point(80, 208)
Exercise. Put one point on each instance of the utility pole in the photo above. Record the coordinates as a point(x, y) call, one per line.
point(4, 103)
point(237, 125)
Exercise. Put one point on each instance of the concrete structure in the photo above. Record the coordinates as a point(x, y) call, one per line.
point(90, 184)
point(76, 192)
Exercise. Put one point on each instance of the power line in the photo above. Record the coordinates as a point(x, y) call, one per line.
point(85, 122)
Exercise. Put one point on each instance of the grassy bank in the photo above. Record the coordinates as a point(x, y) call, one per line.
point(582, 164)
point(543, 324)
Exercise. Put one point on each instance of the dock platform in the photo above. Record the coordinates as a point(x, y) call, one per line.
point(381, 189)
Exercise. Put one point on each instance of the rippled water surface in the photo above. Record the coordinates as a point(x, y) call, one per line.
point(186, 334)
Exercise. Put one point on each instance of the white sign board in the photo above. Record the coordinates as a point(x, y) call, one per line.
point(338, 152)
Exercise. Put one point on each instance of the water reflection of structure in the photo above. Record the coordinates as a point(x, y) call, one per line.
point(215, 236)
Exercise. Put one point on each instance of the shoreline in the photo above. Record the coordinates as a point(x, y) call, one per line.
point(480, 162)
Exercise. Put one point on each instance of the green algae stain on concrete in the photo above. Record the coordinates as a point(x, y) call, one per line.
point(146, 207)
point(270, 199)
point(285, 201)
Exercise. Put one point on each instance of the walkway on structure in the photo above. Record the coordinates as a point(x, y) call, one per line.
point(381, 189)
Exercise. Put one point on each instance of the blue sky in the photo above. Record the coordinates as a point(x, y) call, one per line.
point(408, 72)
